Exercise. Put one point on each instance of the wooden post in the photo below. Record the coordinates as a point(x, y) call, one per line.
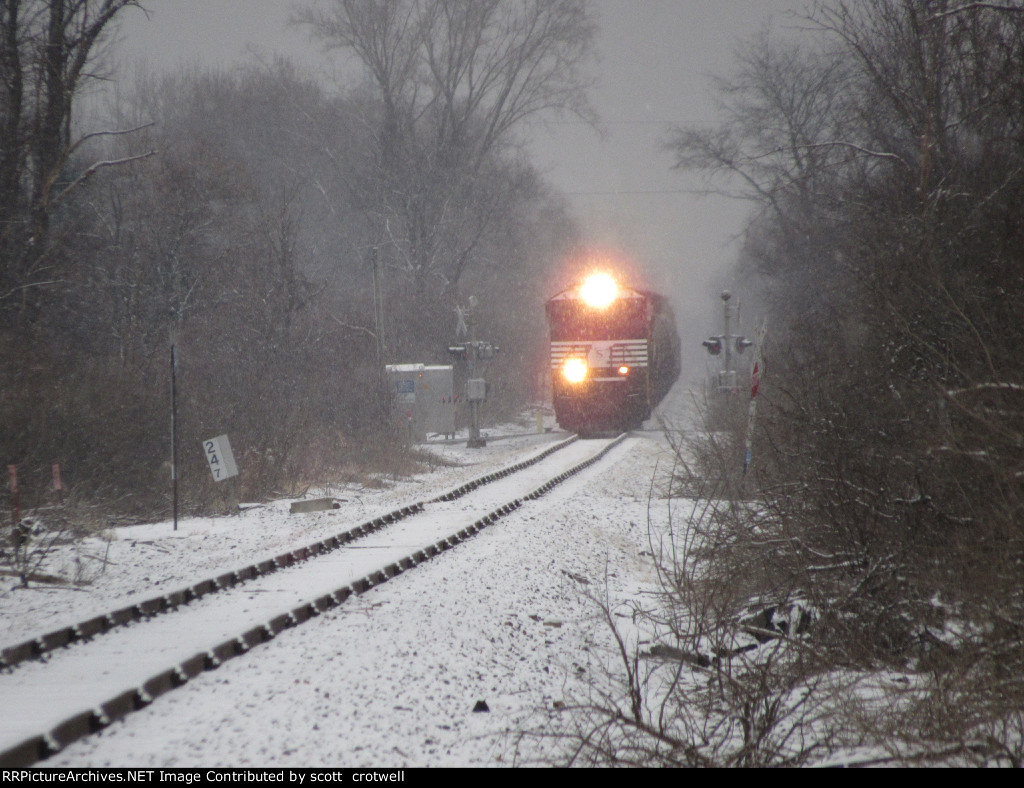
point(58, 483)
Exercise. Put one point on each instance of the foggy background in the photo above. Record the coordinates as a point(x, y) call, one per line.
point(655, 60)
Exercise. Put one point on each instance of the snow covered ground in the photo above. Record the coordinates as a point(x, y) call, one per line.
point(392, 677)
point(129, 564)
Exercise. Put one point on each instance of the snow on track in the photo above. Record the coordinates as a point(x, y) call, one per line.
point(88, 674)
point(391, 677)
point(135, 563)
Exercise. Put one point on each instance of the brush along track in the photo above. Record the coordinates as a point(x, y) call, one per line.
point(82, 690)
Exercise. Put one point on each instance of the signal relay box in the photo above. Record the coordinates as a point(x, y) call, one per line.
point(423, 399)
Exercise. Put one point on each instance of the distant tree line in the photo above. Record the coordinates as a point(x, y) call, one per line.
point(237, 215)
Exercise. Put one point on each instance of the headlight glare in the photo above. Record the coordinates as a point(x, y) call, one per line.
point(574, 370)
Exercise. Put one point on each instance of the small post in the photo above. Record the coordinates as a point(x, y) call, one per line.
point(174, 437)
point(58, 483)
point(12, 472)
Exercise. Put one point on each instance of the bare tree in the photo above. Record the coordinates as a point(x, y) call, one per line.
point(454, 80)
point(46, 47)
point(781, 145)
point(888, 190)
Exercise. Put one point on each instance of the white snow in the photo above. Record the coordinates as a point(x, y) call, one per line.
point(389, 678)
point(130, 564)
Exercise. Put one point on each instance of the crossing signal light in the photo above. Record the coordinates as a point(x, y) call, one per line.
point(481, 351)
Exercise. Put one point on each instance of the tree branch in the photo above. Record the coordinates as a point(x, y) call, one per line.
point(91, 170)
point(1013, 9)
point(81, 141)
point(852, 146)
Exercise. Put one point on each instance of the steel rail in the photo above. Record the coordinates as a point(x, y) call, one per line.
point(39, 646)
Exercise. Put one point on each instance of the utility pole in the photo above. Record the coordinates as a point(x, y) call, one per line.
point(378, 306)
point(730, 374)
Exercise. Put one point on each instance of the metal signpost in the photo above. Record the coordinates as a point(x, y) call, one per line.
point(472, 352)
point(174, 436)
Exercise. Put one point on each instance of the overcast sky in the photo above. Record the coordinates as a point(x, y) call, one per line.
point(655, 60)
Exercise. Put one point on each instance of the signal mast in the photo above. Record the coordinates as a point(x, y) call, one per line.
point(727, 342)
point(473, 352)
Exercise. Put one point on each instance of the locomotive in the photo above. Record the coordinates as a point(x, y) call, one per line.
point(614, 354)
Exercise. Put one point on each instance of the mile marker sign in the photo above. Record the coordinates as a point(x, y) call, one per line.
point(222, 461)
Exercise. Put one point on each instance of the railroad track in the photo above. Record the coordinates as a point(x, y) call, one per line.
point(66, 688)
point(39, 646)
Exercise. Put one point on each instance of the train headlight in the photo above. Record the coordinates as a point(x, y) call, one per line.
point(623, 370)
point(574, 370)
point(599, 290)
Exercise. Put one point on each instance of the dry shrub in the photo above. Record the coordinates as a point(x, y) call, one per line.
point(785, 633)
point(715, 667)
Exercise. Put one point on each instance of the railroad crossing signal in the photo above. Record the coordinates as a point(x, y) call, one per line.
point(474, 351)
point(728, 343)
point(470, 352)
